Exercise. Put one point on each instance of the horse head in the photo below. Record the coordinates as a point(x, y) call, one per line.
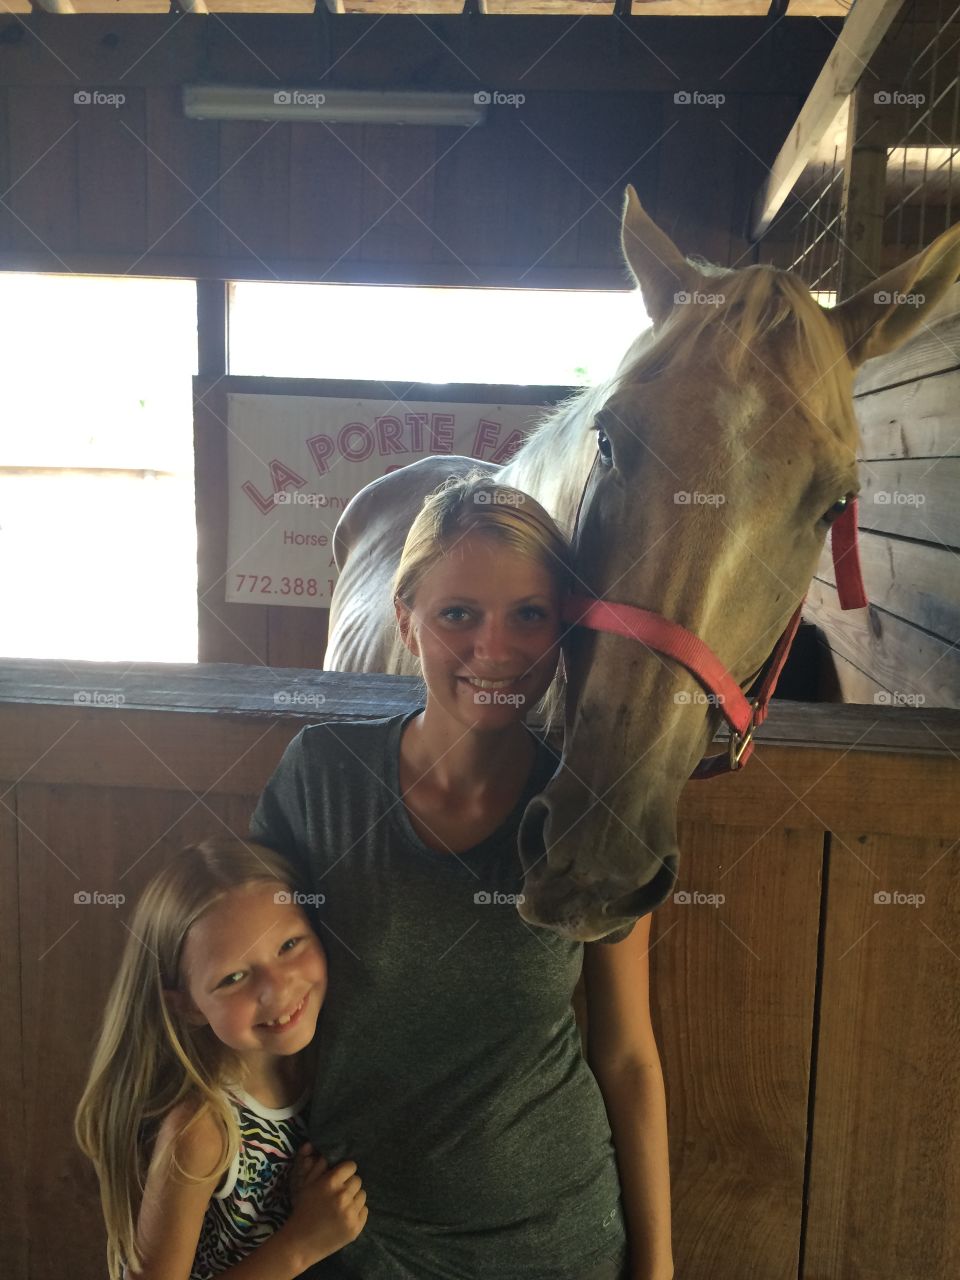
point(725, 447)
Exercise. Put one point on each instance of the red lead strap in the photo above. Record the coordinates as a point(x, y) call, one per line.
point(743, 715)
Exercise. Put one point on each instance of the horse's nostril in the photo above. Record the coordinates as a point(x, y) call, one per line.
point(531, 840)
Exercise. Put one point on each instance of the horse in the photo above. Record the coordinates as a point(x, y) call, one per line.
point(698, 482)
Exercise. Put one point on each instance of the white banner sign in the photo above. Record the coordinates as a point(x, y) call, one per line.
point(294, 462)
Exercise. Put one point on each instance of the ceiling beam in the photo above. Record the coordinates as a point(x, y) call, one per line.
point(858, 40)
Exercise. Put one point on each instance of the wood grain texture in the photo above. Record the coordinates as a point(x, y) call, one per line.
point(884, 1180)
point(42, 194)
point(733, 992)
point(919, 419)
point(112, 175)
point(904, 659)
point(934, 349)
point(227, 632)
point(912, 497)
point(13, 1240)
point(74, 839)
point(802, 786)
point(104, 795)
point(917, 581)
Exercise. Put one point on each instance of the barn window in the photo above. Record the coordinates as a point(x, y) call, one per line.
point(522, 336)
point(98, 525)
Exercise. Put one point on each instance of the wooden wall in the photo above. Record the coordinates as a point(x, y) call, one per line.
point(808, 1034)
point(904, 647)
point(531, 197)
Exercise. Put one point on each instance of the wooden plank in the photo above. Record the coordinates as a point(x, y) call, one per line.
point(345, 271)
point(912, 497)
point(392, 49)
point(255, 6)
point(112, 173)
point(701, 162)
point(226, 689)
point(919, 419)
point(906, 661)
point(212, 324)
point(403, 6)
point(805, 786)
point(580, 8)
point(863, 200)
point(42, 128)
point(704, 9)
point(935, 348)
point(551, 140)
point(297, 637)
point(864, 28)
point(13, 1239)
point(624, 143)
point(885, 1162)
point(253, 192)
point(917, 581)
point(227, 632)
point(396, 216)
point(75, 839)
point(182, 160)
point(325, 195)
point(844, 682)
point(473, 225)
point(742, 973)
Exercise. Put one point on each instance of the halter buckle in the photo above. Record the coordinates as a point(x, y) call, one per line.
point(740, 741)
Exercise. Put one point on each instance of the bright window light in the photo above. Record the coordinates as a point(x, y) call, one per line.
point(524, 336)
point(98, 544)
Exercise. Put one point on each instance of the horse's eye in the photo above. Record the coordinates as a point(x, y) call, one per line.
point(604, 447)
point(836, 510)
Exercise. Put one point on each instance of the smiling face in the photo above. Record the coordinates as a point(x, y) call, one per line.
point(485, 624)
point(250, 960)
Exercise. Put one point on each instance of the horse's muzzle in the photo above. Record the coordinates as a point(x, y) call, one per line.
point(574, 901)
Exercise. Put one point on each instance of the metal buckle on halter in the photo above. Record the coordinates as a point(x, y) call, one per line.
point(740, 741)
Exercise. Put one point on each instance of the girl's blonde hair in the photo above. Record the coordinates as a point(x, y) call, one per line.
point(148, 1058)
point(476, 504)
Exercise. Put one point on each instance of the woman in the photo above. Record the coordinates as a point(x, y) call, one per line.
point(450, 1066)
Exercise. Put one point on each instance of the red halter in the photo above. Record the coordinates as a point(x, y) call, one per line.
point(743, 715)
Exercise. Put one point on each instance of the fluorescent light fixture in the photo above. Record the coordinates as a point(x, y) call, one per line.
point(329, 106)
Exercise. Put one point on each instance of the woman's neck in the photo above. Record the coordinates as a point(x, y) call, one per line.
point(460, 762)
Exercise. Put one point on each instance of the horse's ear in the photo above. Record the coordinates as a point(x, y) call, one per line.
point(885, 313)
point(658, 266)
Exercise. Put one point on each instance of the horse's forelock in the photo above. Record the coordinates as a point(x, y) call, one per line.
point(752, 305)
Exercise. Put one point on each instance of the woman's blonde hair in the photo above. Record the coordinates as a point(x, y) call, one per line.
point(148, 1058)
point(475, 503)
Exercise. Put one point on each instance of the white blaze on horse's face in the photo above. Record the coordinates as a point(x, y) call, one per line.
point(485, 625)
point(722, 451)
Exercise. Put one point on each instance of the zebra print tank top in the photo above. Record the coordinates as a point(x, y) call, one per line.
point(253, 1200)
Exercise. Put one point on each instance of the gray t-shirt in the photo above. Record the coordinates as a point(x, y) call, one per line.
point(449, 1062)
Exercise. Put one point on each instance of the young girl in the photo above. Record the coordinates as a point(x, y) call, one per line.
point(201, 1076)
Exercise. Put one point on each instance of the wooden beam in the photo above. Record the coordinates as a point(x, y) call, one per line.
point(864, 193)
point(858, 40)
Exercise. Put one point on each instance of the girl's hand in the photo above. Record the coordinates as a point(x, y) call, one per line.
point(304, 1163)
point(329, 1205)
